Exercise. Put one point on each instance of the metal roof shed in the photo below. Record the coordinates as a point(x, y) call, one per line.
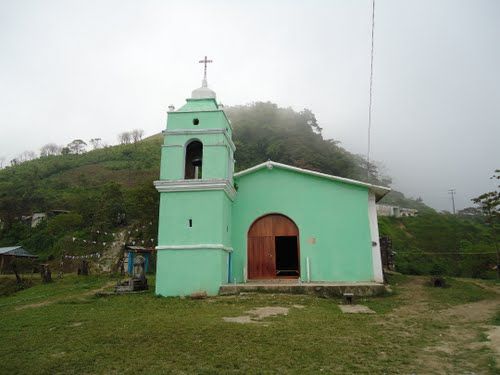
point(17, 251)
point(11, 252)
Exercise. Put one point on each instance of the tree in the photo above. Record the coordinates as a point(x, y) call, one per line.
point(95, 143)
point(124, 138)
point(489, 203)
point(50, 149)
point(77, 146)
point(137, 135)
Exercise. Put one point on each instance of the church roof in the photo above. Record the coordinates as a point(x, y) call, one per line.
point(379, 191)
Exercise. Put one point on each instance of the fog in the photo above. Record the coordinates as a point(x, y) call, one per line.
point(85, 69)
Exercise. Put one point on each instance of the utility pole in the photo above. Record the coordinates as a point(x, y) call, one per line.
point(452, 192)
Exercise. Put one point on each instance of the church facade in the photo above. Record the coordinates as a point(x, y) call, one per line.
point(272, 221)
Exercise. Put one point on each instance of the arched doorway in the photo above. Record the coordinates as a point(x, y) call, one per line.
point(273, 248)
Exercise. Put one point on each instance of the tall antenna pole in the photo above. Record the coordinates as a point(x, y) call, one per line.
point(371, 93)
point(452, 192)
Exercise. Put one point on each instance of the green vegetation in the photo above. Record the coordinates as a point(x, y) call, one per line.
point(63, 327)
point(441, 244)
point(457, 292)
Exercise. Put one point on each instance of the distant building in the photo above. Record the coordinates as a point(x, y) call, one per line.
point(37, 217)
point(395, 211)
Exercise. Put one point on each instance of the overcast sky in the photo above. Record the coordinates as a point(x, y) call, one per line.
point(84, 69)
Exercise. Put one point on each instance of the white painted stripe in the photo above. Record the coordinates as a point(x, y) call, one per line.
point(211, 246)
point(164, 186)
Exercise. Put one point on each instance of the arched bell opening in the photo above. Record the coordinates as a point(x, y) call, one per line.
point(193, 160)
point(273, 248)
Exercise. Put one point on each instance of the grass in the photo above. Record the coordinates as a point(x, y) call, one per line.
point(76, 332)
point(458, 292)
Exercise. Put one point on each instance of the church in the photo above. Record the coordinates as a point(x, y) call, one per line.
point(272, 222)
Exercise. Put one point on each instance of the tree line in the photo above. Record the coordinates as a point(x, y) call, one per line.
point(75, 147)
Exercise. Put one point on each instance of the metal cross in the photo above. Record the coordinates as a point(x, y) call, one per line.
point(205, 61)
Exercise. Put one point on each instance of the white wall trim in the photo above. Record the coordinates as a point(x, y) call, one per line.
point(212, 246)
point(165, 186)
point(378, 275)
point(197, 132)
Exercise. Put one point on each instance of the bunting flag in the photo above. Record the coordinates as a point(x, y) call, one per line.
point(116, 235)
point(88, 256)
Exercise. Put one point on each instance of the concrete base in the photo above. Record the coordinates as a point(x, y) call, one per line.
point(294, 287)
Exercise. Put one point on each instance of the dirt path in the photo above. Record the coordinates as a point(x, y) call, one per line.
point(454, 332)
point(66, 297)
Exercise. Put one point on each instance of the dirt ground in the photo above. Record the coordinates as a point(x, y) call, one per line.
point(66, 297)
point(467, 332)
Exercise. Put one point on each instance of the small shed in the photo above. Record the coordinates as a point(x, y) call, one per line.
point(131, 252)
point(9, 253)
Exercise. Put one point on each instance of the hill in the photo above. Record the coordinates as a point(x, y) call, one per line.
point(441, 244)
point(111, 187)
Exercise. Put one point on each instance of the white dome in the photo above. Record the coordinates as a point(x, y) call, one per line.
point(203, 92)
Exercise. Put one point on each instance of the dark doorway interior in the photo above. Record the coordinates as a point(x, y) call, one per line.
point(194, 157)
point(287, 256)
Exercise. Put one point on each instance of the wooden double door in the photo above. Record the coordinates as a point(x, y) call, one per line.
point(273, 248)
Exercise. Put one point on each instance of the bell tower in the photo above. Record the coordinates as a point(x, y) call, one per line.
point(196, 193)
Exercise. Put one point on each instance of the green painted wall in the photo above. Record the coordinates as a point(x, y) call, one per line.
point(332, 213)
point(182, 272)
point(209, 211)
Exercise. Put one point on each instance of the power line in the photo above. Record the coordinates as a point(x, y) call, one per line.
point(371, 93)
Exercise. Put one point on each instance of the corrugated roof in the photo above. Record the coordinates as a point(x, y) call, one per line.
point(17, 251)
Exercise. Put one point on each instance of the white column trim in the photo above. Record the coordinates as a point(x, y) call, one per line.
point(165, 186)
point(211, 246)
point(378, 275)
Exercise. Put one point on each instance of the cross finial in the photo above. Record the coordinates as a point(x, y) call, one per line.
point(205, 61)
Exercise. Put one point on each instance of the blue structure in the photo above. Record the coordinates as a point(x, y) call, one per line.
point(133, 251)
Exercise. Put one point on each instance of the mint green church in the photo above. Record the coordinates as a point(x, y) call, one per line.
point(267, 223)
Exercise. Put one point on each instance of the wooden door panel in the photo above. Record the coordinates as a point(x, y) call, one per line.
point(261, 258)
point(262, 227)
point(283, 226)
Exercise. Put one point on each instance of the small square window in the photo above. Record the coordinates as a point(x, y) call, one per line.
point(196, 121)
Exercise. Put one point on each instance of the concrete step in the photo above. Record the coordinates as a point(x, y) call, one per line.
point(319, 289)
